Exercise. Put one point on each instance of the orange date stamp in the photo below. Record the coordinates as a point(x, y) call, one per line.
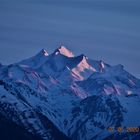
point(124, 129)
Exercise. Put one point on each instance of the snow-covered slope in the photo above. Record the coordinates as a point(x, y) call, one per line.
point(62, 96)
point(64, 51)
point(36, 60)
point(115, 80)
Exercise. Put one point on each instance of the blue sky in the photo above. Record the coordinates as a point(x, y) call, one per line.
point(101, 29)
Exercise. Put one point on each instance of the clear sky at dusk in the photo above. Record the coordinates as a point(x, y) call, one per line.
point(101, 29)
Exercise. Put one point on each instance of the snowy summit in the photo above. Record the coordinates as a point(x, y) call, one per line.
point(64, 51)
point(60, 96)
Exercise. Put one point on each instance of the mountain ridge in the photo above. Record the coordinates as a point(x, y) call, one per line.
point(71, 96)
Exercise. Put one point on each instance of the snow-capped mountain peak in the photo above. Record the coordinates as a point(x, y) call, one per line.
point(64, 51)
point(44, 52)
point(82, 69)
point(67, 97)
point(83, 57)
point(36, 60)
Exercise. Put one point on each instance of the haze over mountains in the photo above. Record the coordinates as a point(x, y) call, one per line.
point(63, 96)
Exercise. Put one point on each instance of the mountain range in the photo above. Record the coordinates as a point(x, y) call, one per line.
point(60, 96)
